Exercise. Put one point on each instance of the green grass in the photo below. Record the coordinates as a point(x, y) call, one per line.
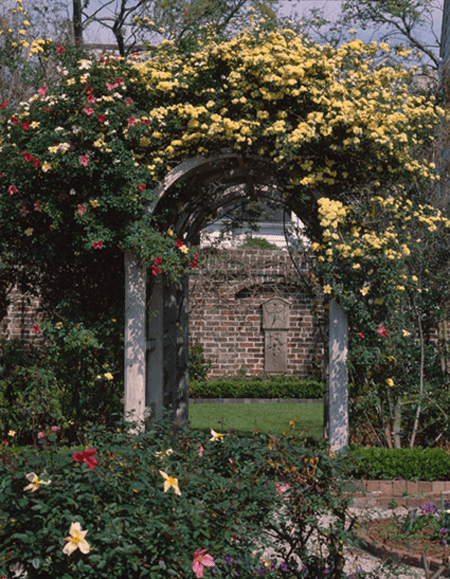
point(265, 418)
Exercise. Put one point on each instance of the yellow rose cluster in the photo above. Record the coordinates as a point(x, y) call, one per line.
point(311, 108)
point(364, 237)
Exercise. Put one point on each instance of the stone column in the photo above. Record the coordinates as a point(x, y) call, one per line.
point(134, 340)
point(338, 427)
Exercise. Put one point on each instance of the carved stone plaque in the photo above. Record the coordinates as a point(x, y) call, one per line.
point(275, 324)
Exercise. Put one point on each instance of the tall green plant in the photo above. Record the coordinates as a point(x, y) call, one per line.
point(385, 258)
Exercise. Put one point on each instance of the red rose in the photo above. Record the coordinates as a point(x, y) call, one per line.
point(382, 331)
point(86, 456)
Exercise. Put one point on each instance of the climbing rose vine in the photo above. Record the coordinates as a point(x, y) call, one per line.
point(81, 161)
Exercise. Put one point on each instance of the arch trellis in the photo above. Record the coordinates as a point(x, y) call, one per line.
point(274, 116)
point(156, 322)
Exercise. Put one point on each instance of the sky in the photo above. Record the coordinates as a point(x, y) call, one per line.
point(331, 10)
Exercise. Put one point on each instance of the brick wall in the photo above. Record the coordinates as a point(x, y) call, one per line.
point(225, 311)
point(22, 314)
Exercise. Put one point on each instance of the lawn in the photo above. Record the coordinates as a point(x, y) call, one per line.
point(265, 417)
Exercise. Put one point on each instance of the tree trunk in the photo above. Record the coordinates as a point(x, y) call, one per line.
point(77, 26)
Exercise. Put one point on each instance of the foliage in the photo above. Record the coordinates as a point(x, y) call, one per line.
point(82, 159)
point(257, 387)
point(412, 25)
point(198, 364)
point(258, 243)
point(148, 501)
point(370, 410)
point(385, 258)
point(403, 20)
point(136, 24)
point(404, 463)
point(66, 377)
point(430, 516)
point(23, 37)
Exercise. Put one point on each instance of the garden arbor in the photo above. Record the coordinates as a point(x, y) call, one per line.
point(156, 312)
point(131, 156)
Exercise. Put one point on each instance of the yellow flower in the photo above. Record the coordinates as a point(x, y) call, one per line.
point(216, 435)
point(76, 540)
point(34, 482)
point(390, 382)
point(94, 203)
point(364, 291)
point(327, 289)
point(170, 481)
point(29, 231)
point(109, 376)
point(46, 167)
point(406, 333)
point(12, 433)
point(170, 232)
point(161, 454)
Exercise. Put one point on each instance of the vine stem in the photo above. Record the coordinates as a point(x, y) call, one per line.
point(422, 357)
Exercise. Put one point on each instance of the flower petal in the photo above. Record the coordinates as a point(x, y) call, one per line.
point(69, 548)
point(84, 546)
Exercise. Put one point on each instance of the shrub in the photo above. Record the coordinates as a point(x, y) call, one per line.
point(198, 364)
point(67, 378)
point(404, 463)
point(259, 243)
point(257, 387)
point(149, 501)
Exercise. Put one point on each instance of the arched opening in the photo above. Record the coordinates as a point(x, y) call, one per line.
point(190, 197)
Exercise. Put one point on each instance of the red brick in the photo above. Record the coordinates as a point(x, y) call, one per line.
point(398, 488)
point(425, 486)
point(372, 486)
point(386, 488)
point(412, 487)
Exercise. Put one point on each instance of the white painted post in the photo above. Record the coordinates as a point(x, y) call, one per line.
point(155, 346)
point(134, 340)
point(338, 423)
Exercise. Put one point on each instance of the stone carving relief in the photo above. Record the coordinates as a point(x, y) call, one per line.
point(275, 323)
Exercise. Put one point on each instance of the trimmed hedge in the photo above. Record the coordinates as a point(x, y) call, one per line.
point(257, 387)
point(428, 464)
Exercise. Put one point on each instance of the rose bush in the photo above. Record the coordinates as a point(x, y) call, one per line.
point(151, 505)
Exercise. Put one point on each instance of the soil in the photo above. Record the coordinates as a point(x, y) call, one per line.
point(388, 533)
